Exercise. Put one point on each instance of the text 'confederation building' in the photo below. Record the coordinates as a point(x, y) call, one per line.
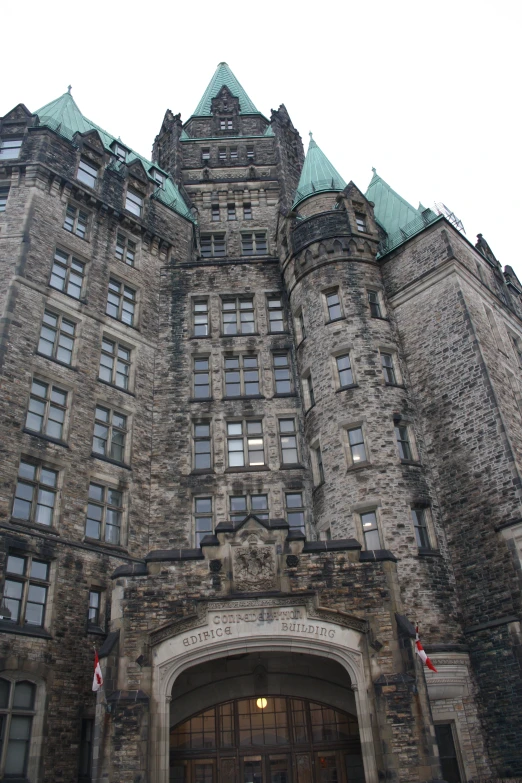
point(255, 425)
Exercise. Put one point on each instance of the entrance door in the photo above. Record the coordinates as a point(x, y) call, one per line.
point(328, 769)
point(270, 768)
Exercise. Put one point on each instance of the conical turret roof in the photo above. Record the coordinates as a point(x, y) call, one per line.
point(391, 210)
point(64, 117)
point(318, 175)
point(224, 77)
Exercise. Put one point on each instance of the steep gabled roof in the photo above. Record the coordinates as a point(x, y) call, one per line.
point(318, 175)
point(224, 77)
point(391, 210)
point(63, 116)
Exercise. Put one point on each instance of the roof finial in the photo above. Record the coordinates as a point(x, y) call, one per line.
point(311, 136)
point(374, 170)
point(69, 88)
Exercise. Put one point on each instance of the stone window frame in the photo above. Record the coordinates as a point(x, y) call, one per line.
point(199, 300)
point(361, 221)
point(231, 211)
point(246, 437)
point(4, 195)
point(378, 305)
point(158, 177)
point(39, 464)
point(244, 372)
point(205, 155)
point(129, 260)
point(134, 202)
point(37, 727)
point(325, 294)
point(125, 362)
point(403, 423)
point(299, 325)
point(282, 368)
point(127, 432)
point(202, 514)
point(217, 244)
point(215, 213)
point(349, 446)
point(250, 151)
point(198, 372)
point(307, 385)
point(247, 210)
point(371, 505)
point(425, 510)
point(81, 217)
point(291, 434)
point(101, 625)
point(74, 277)
point(51, 405)
point(106, 485)
point(57, 328)
point(250, 509)
point(88, 172)
point(366, 533)
point(27, 581)
point(316, 459)
point(18, 147)
point(204, 438)
point(296, 509)
point(124, 288)
point(340, 353)
point(259, 235)
point(387, 350)
point(280, 308)
point(238, 309)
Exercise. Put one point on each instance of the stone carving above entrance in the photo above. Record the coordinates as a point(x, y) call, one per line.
point(254, 566)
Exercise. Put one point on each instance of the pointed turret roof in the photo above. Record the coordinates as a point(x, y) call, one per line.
point(391, 210)
point(318, 175)
point(64, 117)
point(224, 77)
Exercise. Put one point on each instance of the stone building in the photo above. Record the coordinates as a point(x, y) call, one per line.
point(256, 424)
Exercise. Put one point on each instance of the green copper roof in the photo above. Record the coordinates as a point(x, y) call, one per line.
point(317, 175)
point(64, 117)
point(391, 210)
point(224, 77)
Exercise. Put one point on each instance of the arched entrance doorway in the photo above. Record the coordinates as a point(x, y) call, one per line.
point(267, 739)
point(264, 717)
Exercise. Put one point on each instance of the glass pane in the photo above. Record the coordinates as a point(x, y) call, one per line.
point(39, 570)
point(24, 695)
point(15, 565)
point(5, 687)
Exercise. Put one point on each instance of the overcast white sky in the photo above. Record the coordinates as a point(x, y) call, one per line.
point(428, 93)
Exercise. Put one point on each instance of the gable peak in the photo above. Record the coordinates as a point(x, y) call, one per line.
point(224, 77)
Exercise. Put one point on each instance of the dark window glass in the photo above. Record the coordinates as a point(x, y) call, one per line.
point(216, 217)
point(121, 302)
point(372, 538)
point(47, 409)
point(388, 368)
point(76, 221)
point(110, 432)
point(344, 370)
point(125, 249)
point(114, 364)
point(25, 590)
point(86, 745)
point(295, 511)
point(403, 441)
point(447, 753)
point(375, 306)
point(201, 377)
point(247, 211)
point(4, 193)
point(231, 211)
point(213, 245)
point(254, 244)
point(16, 718)
point(418, 516)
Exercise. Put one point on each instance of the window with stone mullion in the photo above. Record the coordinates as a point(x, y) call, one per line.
point(25, 589)
point(57, 336)
point(245, 444)
point(104, 514)
point(17, 702)
point(47, 409)
point(35, 494)
point(242, 505)
point(110, 431)
point(241, 376)
point(238, 316)
point(67, 274)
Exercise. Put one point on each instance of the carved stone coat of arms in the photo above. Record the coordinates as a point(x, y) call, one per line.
point(254, 567)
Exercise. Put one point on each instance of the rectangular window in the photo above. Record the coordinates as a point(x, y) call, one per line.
point(25, 590)
point(204, 521)
point(242, 505)
point(57, 337)
point(159, 178)
point(201, 377)
point(231, 211)
point(254, 244)
point(93, 617)
point(121, 302)
point(76, 221)
point(375, 305)
point(4, 193)
point(134, 202)
point(447, 752)
point(403, 441)
point(35, 494)
point(86, 745)
point(200, 316)
point(309, 391)
point(233, 151)
point(418, 516)
point(319, 465)
point(115, 362)
point(275, 315)
point(388, 369)
point(333, 304)
point(67, 274)
point(282, 377)
point(104, 514)
point(238, 316)
point(222, 153)
point(47, 409)
point(245, 444)
point(10, 148)
point(360, 219)
point(110, 433)
point(87, 173)
point(300, 323)
point(241, 376)
point(216, 217)
point(212, 245)
point(295, 513)
point(372, 539)
point(247, 211)
point(17, 702)
point(125, 249)
point(356, 443)
point(205, 154)
point(344, 370)
point(288, 441)
point(120, 152)
point(202, 446)
point(250, 151)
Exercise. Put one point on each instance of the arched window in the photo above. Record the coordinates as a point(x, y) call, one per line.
point(17, 710)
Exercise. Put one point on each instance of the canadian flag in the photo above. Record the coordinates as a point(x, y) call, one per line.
point(97, 680)
point(420, 652)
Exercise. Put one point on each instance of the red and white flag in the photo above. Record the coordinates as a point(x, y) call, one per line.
point(420, 652)
point(97, 680)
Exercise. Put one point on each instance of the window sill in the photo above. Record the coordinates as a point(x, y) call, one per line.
point(285, 394)
point(347, 388)
point(202, 472)
point(201, 399)
point(359, 466)
point(118, 388)
point(69, 296)
point(200, 336)
point(291, 466)
point(111, 461)
point(335, 320)
point(413, 462)
point(379, 318)
point(119, 321)
point(35, 526)
point(284, 332)
point(24, 630)
point(46, 438)
point(245, 397)
point(242, 334)
point(104, 544)
point(395, 385)
point(74, 234)
point(57, 361)
point(96, 630)
point(428, 552)
point(248, 469)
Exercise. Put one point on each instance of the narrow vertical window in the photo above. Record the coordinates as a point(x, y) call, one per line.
point(418, 516)
point(372, 539)
point(375, 305)
point(295, 510)
point(216, 216)
point(319, 465)
point(17, 700)
point(205, 154)
point(86, 745)
point(104, 514)
point(344, 370)
point(200, 317)
point(357, 448)
point(201, 377)
point(231, 211)
point(301, 328)
point(403, 441)
point(204, 521)
point(125, 249)
point(360, 219)
point(282, 377)
point(288, 441)
point(4, 193)
point(57, 337)
point(247, 211)
point(94, 608)
point(309, 391)
point(233, 150)
point(333, 304)
point(447, 752)
point(275, 314)
point(388, 369)
point(250, 151)
point(202, 446)
point(222, 153)
point(110, 433)
point(134, 202)
point(87, 173)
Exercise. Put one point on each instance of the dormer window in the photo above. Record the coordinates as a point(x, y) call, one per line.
point(226, 124)
point(360, 219)
point(87, 173)
point(158, 178)
point(120, 152)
